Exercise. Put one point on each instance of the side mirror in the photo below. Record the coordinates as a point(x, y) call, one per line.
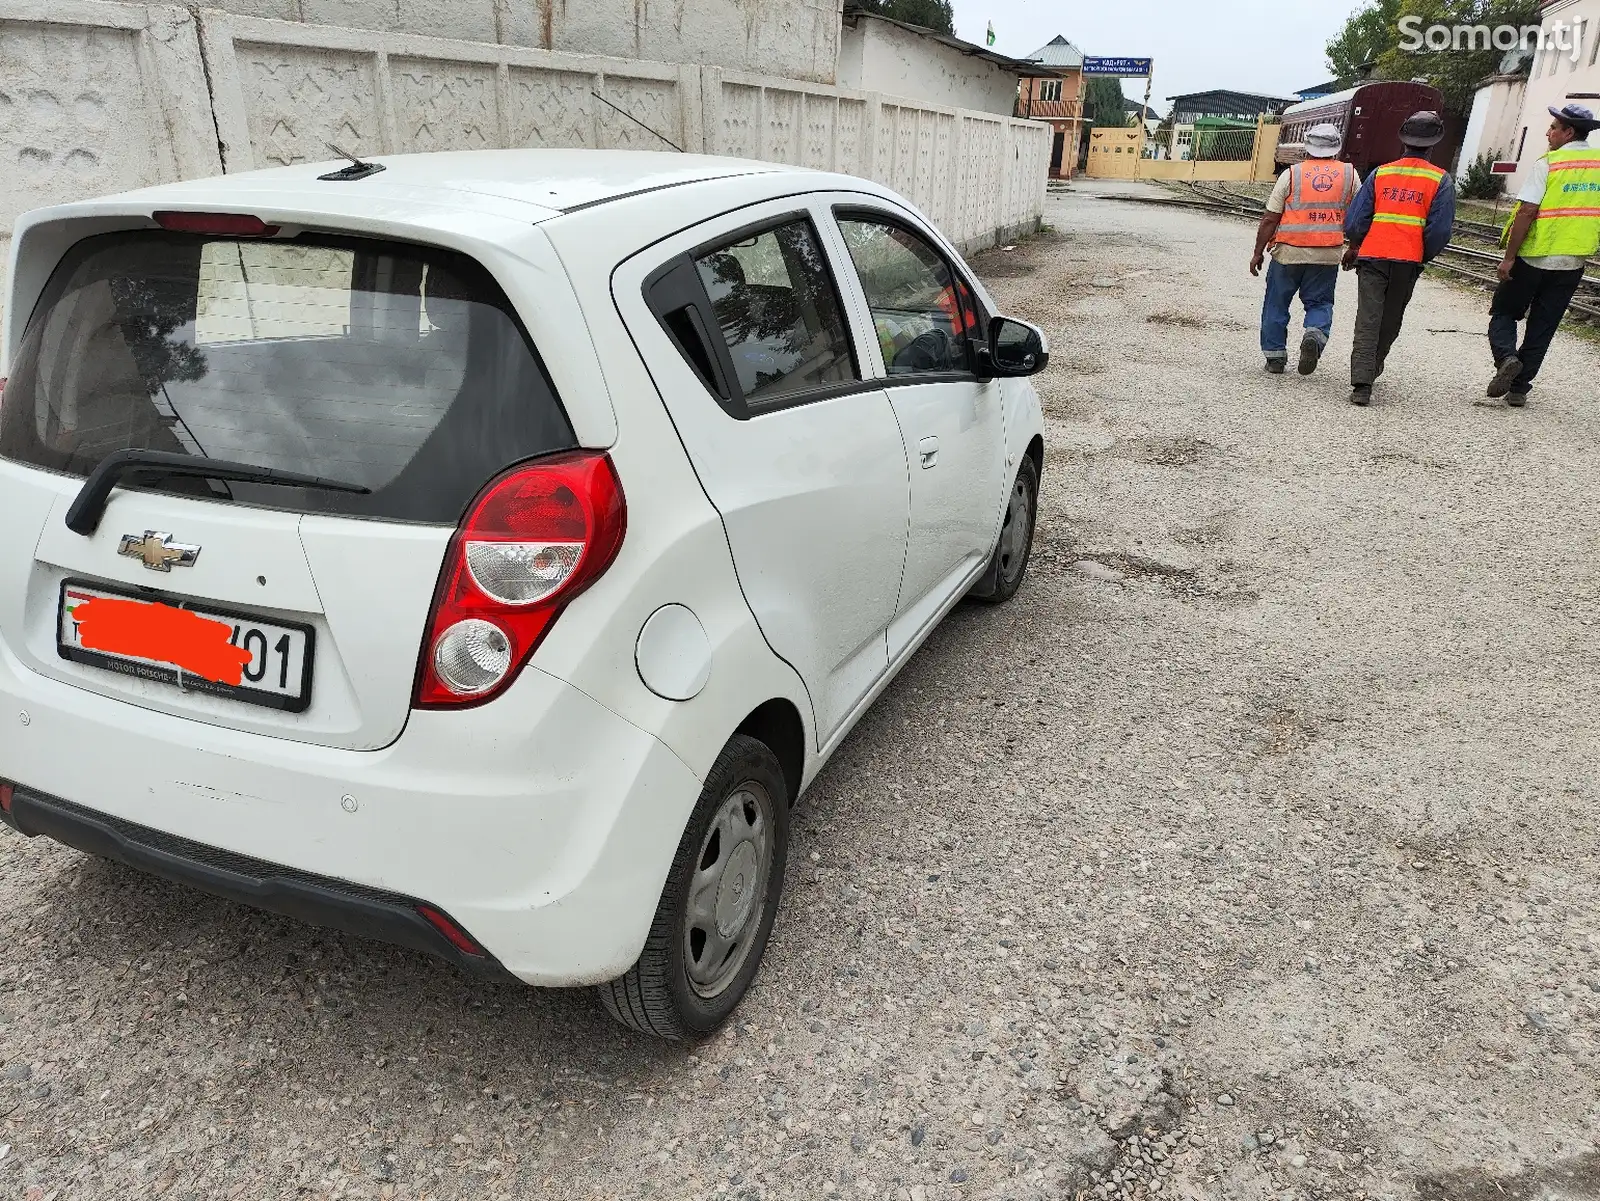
point(1015, 348)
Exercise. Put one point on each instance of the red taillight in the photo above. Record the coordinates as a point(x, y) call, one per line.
point(459, 938)
point(227, 225)
point(7, 788)
point(533, 540)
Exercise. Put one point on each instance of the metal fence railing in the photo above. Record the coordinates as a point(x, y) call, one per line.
point(1202, 144)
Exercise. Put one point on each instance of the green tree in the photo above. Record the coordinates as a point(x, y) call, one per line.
point(1372, 34)
point(1478, 182)
point(1370, 31)
point(936, 15)
point(1456, 72)
point(1103, 102)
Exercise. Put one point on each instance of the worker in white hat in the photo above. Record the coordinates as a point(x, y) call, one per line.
point(1304, 229)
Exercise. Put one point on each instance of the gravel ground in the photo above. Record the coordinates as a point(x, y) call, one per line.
point(1250, 853)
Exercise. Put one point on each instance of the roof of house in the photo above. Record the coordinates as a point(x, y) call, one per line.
point(1518, 61)
point(1058, 52)
point(1322, 89)
point(1017, 66)
point(1235, 101)
point(1130, 105)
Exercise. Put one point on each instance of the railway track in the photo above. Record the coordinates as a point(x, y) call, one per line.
point(1478, 229)
point(1468, 262)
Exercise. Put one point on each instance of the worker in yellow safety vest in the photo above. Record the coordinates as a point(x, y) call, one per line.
point(1553, 231)
point(1400, 219)
point(1303, 230)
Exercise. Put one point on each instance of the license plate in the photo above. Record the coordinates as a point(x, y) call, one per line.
point(194, 646)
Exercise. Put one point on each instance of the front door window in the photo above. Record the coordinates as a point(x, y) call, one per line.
point(923, 314)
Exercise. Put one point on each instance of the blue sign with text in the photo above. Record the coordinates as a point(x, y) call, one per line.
point(1128, 68)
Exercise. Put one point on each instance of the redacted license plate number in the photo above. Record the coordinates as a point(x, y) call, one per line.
point(192, 646)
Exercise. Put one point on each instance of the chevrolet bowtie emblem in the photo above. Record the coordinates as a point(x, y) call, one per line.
point(158, 551)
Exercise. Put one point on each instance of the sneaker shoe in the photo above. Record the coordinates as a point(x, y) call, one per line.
point(1311, 350)
point(1361, 394)
point(1505, 374)
point(1517, 400)
point(1276, 366)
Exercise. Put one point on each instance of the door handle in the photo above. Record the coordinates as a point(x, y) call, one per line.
point(928, 452)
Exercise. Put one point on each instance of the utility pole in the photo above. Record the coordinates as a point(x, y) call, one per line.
point(1144, 117)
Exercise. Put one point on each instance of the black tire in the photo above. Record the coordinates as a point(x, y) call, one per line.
point(675, 991)
point(1009, 564)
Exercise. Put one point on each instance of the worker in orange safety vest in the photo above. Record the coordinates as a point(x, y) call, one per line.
point(1400, 219)
point(1303, 230)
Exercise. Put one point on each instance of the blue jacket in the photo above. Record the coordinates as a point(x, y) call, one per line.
point(1435, 235)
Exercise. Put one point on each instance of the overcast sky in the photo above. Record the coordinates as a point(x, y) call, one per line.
point(1269, 46)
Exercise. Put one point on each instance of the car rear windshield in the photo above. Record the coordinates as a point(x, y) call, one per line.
point(399, 368)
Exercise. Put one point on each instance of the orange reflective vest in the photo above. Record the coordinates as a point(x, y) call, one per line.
point(1403, 193)
point(1313, 215)
point(962, 318)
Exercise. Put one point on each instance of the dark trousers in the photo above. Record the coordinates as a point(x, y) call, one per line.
point(1540, 296)
point(1385, 290)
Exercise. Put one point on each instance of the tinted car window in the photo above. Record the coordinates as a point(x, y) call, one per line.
point(395, 367)
point(922, 312)
point(779, 313)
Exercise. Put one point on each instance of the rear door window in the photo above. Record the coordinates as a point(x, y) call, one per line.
point(397, 367)
point(779, 312)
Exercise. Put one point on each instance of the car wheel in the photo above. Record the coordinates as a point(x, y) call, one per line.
point(1010, 561)
point(716, 911)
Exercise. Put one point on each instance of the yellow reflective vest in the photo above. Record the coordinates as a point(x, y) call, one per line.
point(1569, 215)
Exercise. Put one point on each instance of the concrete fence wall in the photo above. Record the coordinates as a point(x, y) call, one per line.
point(980, 177)
point(98, 96)
point(281, 91)
point(798, 39)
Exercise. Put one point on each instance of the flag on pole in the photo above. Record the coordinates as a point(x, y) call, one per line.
point(990, 39)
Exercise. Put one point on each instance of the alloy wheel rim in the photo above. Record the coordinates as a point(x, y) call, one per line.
point(728, 891)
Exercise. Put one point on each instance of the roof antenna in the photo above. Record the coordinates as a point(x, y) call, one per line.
point(358, 168)
point(636, 121)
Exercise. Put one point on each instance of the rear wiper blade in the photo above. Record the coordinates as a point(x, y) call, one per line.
point(90, 504)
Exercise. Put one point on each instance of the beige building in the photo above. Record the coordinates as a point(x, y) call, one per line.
point(1058, 101)
point(1565, 68)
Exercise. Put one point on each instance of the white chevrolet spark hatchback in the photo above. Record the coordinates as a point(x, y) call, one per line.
point(482, 552)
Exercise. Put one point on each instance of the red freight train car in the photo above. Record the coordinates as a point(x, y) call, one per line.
point(1369, 116)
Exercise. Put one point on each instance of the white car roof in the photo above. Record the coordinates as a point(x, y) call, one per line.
point(553, 181)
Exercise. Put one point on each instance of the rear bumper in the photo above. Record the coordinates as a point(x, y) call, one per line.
point(542, 824)
point(319, 900)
